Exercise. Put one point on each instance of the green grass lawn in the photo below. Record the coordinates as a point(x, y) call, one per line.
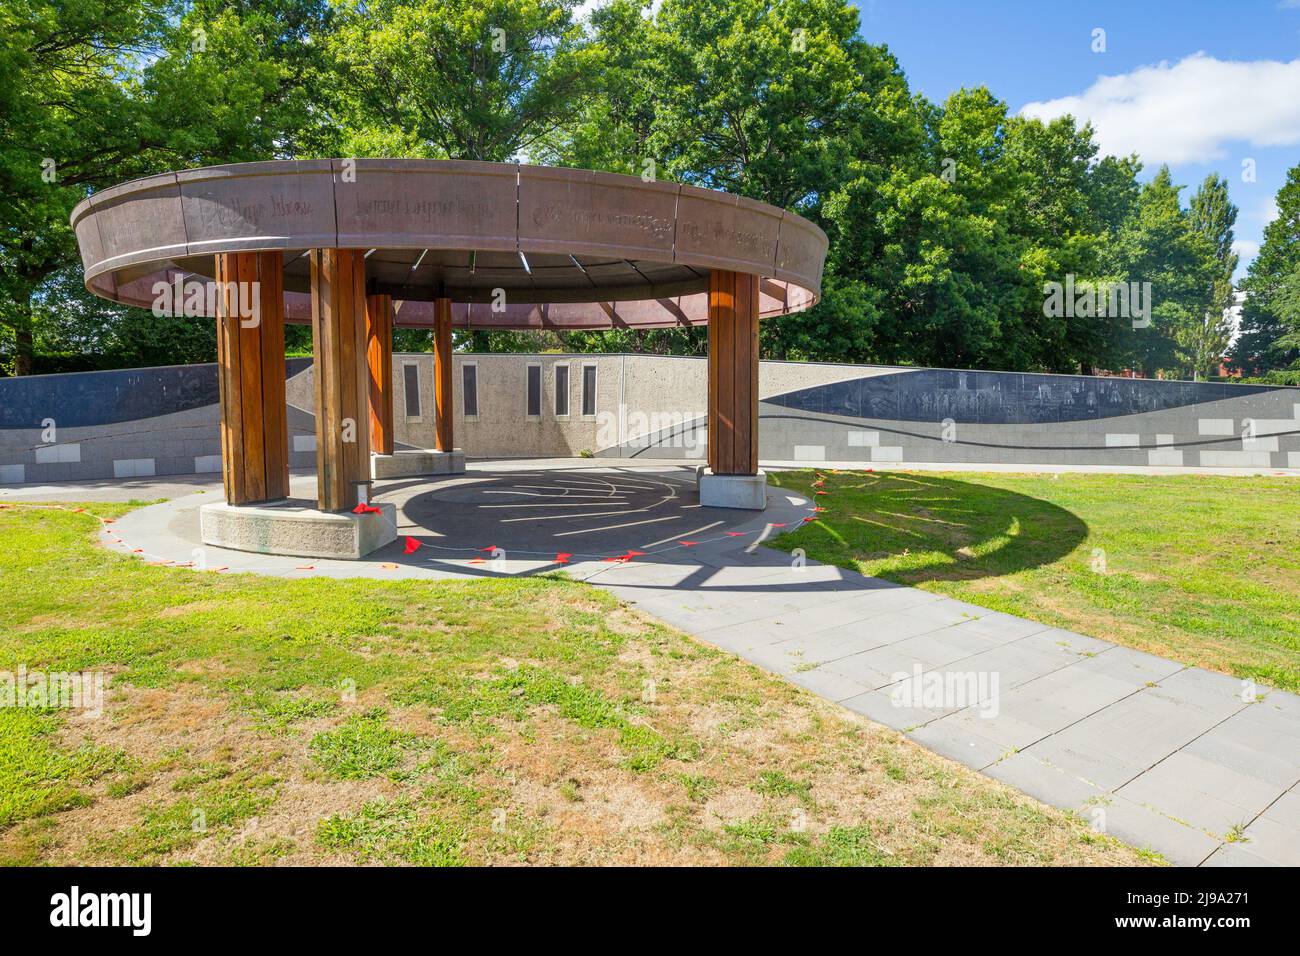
point(1201, 569)
point(255, 720)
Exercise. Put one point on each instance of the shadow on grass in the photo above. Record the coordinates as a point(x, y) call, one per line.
point(913, 528)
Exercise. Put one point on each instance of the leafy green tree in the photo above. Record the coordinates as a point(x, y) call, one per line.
point(64, 118)
point(609, 129)
point(1270, 322)
point(454, 79)
point(1213, 216)
point(1159, 244)
point(113, 90)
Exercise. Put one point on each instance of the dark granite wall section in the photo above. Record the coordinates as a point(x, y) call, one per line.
point(81, 399)
point(1003, 398)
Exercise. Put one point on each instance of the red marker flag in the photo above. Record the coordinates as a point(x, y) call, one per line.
point(365, 509)
point(626, 557)
point(412, 546)
point(562, 557)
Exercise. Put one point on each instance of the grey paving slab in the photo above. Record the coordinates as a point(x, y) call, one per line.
point(746, 637)
point(1046, 781)
point(963, 741)
point(836, 687)
point(1121, 741)
point(1273, 841)
point(1149, 828)
point(1020, 661)
point(1205, 794)
point(1285, 811)
point(820, 647)
point(1238, 854)
point(886, 706)
point(843, 610)
point(1002, 628)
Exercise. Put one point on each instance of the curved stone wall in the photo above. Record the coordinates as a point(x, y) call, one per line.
point(142, 422)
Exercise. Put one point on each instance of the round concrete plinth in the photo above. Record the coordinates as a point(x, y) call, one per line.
point(298, 531)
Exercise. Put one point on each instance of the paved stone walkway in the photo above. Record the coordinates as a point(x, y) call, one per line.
point(1158, 754)
point(1161, 755)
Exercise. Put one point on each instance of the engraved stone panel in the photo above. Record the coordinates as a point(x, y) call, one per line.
point(580, 212)
point(277, 205)
point(801, 252)
point(722, 231)
point(139, 222)
point(396, 203)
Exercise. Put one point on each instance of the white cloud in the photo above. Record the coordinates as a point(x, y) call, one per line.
point(1190, 111)
point(1246, 249)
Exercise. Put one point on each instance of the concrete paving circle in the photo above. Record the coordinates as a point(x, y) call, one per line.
point(588, 512)
point(497, 519)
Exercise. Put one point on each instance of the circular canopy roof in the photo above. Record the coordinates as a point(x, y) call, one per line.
point(572, 248)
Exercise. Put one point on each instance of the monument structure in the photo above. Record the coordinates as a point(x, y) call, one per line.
point(359, 246)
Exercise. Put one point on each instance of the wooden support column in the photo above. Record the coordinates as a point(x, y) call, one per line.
point(338, 325)
point(733, 373)
point(442, 374)
point(379, 358)
point(250, 372)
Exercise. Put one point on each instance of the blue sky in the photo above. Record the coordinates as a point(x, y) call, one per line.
point(1240, 99)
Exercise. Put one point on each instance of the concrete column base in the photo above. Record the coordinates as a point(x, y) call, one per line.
point(412, 462)
point(748, 492)
point(297, 531)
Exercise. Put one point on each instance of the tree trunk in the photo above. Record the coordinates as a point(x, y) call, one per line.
point(23, 351)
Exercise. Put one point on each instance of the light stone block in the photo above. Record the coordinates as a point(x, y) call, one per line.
point(1216, 426)
point(747, 492)
point(297, 531)
point(61, 454)
point(133, 468)
point(409, 463)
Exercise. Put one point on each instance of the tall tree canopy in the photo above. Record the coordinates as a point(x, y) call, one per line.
point(451, 79)
point(1270, 324)
point(112, 90)
point(948, 221)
